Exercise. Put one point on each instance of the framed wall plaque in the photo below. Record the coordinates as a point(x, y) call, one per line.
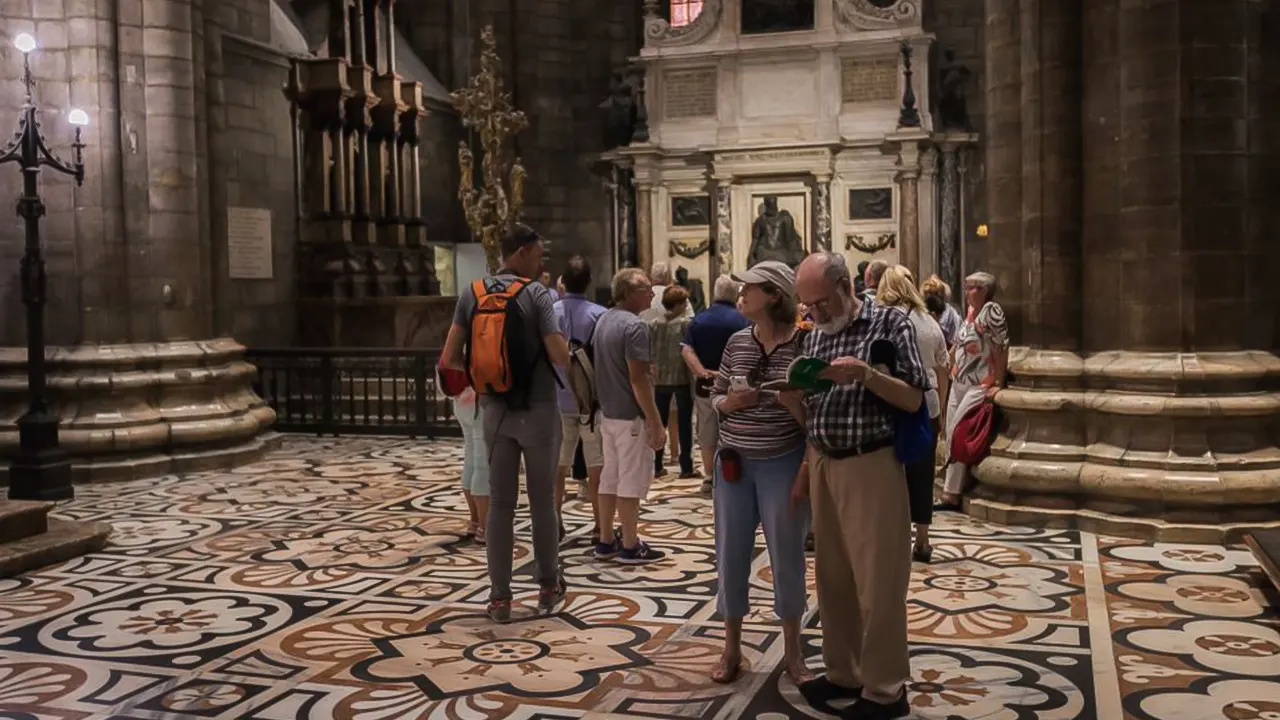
point(690, 211)
point(871, 203)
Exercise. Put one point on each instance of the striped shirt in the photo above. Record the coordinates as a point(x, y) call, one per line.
point(768, 429)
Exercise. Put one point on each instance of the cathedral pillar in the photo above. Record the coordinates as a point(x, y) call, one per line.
point(723, 228)
point(822, 214)
point(1003, 150)
point(1143, 394)
point(158, 392)
point(908, 179)
point(644, 225)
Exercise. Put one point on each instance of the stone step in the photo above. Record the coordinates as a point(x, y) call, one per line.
point(1265, 545)
point(62, 541)
point(23, 518)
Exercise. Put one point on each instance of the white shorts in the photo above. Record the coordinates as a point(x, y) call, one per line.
point(708, 423)
point(575, 429)
point(628, 459)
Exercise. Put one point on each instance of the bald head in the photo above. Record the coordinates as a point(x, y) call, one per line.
point(826, 268)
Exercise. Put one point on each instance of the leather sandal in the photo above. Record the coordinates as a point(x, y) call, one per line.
point(723, 674)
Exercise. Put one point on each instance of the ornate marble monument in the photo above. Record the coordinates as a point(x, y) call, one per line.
point(784, 120)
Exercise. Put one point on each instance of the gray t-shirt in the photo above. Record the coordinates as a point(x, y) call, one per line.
point(620, 336)
point(538, 308)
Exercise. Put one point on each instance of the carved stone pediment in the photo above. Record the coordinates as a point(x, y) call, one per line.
point(877, 14)
point(659, 32)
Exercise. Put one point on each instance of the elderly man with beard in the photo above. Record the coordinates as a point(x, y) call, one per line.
point(858, 492)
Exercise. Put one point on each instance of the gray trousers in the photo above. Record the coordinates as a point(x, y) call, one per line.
point(534, 434)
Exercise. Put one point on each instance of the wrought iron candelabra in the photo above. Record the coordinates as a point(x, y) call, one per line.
point(42, 469)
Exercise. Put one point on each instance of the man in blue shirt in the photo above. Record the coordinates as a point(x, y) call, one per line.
point(704, 343)
point(577, 317)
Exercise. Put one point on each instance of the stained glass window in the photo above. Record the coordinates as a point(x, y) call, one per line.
point(684, 12)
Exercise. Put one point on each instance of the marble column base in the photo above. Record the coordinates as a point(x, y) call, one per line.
point(141, 410)
point(1163, 446)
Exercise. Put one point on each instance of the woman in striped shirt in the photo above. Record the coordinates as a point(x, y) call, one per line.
point(760, 476)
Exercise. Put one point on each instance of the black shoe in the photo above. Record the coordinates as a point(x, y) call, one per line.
point(866, 709)
point(820, 691)
point(922, 554)
point(641, 554)
point(946, 507)
point(550, 595)
point(689, 475)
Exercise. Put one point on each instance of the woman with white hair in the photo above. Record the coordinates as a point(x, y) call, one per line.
point(981, 360)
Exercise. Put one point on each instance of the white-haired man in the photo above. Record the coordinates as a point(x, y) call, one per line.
point(703, 346)
point(659, 279)
point(858, 490)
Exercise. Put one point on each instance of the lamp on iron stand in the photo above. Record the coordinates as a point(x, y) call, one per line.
point(42, 469)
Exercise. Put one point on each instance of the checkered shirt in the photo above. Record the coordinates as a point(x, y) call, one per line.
point(851, 418)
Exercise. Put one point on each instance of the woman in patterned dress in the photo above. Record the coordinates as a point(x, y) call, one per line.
point(978, 372)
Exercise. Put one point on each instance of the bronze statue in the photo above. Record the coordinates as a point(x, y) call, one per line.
point(953, 106)
point(697, 296)
point(619, 110)
point(774, 236)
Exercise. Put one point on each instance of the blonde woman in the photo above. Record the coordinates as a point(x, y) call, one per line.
point(937, 294)
point(898, 289)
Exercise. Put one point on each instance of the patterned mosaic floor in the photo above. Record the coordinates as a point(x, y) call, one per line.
point(330, 582)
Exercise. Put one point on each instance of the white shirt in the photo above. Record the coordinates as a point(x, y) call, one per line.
point(933, 352)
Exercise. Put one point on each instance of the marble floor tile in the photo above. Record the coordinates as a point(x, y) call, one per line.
point(334, 580)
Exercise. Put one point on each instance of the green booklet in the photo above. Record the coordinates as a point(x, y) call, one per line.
point(802, 374)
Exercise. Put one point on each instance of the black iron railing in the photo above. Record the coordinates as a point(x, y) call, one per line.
point(337, 391)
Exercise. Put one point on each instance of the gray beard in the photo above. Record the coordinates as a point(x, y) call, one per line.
point(835, 327)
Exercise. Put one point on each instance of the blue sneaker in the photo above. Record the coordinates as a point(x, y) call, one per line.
point(640, 555)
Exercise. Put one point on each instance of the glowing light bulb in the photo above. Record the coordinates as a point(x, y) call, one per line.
point(25, 43)
point(78, 117)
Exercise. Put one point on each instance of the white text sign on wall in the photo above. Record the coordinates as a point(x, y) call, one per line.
point(249, 243)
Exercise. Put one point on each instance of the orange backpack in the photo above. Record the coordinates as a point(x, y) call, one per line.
point(499, 359)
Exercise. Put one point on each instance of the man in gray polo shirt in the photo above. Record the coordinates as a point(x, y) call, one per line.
point(524, 424)
point(630, 427)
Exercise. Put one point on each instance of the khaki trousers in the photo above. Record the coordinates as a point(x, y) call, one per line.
point(862, 541)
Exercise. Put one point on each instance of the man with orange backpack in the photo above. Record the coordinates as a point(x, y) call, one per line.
point(506, 337)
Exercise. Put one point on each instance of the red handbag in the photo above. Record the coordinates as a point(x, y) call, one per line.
point(451, 382)
point(973, 434)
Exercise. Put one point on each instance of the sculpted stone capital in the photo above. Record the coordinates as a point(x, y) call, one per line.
point(869, 15)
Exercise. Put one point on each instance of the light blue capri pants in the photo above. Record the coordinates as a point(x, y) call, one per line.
point(475, 462)
point(762, 496)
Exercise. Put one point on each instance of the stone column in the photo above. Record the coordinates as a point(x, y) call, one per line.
point(822, 213)
point(724, 228)
point(644, 225)
point(1163, 423)
point(1003, 149)
point(157, 393)
point(1051, 182)
point(908, 179)
point(949, 227)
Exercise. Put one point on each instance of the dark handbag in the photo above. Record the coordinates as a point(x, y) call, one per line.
point(702, 386)
point(912, 431)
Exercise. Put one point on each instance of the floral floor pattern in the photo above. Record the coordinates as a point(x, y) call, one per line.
point(332, 581)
